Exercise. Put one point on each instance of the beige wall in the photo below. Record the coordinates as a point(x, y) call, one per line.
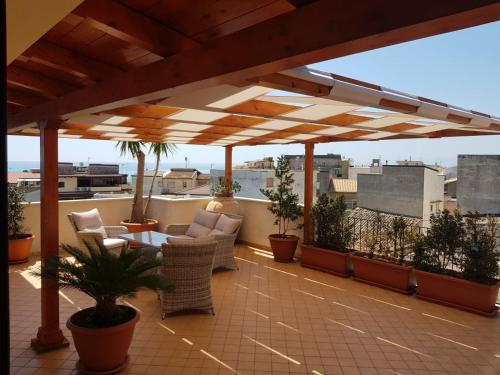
point(257, 223)
point(70, 183)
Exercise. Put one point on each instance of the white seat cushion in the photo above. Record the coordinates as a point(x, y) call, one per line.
point(114, 243)
point(189, 241)
point(227, 225)
point(90, 220)
point(215, 232)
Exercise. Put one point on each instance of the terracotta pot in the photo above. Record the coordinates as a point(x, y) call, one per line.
point(283, 247)
point(20, 249)
point(331, 261)
point(140, 227)
point(383, 274)
point(102, 350)
point(462, 294)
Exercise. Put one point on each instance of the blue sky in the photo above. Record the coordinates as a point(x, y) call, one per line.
point(460, 68)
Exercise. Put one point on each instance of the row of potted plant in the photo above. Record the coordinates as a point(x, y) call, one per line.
point(455, 262)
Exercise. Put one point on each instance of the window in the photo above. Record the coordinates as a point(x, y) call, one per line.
point(171, 184)
point(269, 182)
point(61, 184)
point(184, 184)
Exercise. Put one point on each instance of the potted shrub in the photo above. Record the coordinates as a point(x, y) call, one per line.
point(138, 221)
point(384, 263)
point(223, 200)
point(285, 207)
point(457, 263)
point(334, 235)
point(102, 334)
point(19, 242)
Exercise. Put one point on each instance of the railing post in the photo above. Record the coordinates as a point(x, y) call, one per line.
point(308, 192)
point(49, 336)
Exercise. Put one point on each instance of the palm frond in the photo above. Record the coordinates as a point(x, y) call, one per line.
point(129, 147)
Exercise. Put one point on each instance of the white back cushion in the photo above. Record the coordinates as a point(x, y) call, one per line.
point(206, 218)
point(87, 220)
point(196, 230)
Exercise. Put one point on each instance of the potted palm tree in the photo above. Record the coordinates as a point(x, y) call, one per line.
point(20, 243)
point(138, 221)
point(334, 235)
point(385, 264)
point(285, 207)
point(223, 200)
point(457, 263)
point(102, 334)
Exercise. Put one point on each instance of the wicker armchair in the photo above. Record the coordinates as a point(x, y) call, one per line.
point(106, 235)
point(188, 265)
point(224, 252)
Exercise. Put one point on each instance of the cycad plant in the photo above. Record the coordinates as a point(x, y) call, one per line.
point(158, 149)
point(104, 276)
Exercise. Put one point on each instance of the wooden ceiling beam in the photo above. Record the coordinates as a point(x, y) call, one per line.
point(319, 31)
point(36, 82)
point(72, 62)
point(133, 27)
point(23, 98)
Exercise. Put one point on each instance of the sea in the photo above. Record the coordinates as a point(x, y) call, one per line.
point(126, 168)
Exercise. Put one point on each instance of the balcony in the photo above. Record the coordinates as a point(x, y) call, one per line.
point(270, 317)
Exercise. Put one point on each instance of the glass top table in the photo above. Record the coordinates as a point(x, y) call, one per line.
point(148, 239)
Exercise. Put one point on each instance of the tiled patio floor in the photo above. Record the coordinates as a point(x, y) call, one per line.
point(281, 319)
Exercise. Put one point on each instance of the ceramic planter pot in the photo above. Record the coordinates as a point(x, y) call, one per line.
point(462, 294)
point(224, 203)
point(383, 274)
point(283, 247)
point(102, 350)
point(140, 227)
point(20, 249)
point(331, 261)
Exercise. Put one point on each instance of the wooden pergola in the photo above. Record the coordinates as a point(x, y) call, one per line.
point(203, 73)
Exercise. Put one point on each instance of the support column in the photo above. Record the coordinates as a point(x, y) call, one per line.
point(228, 169)
point(308, 192)
point(49, 336)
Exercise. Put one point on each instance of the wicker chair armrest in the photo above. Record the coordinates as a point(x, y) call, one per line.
point(224, 237)
point(115, 230)
point(176, 229)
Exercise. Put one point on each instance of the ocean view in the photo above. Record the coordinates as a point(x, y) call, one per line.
point(127, 168)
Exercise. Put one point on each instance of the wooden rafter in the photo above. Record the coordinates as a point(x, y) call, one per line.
point(132, 27)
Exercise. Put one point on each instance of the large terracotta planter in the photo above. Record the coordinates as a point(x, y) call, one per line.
point(20, 249)
point(458, 293)
point(140, 227)
point(221, 203)
point(283, 247)
point(331, 261)
point(383, 274)
point(102, 350)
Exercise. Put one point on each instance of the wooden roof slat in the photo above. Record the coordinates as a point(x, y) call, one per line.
point(37, 82)
point(133, 27)
point(259, 107)
point(67, 60)
point(23, 98)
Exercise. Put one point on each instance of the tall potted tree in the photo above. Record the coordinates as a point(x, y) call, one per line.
point(20, 243)
point(158, 149)
point(457, 263)
point(286, 209)
point(102, 334)
point(333, 238)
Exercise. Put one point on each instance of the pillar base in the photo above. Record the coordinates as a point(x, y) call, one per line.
point(47, 342)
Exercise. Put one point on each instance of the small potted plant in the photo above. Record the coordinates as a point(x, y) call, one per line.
point(384, 264)
point(334, 235)
point(223, 200)
point(102, 334)
point(457, 263)
point(285, 207)
point(20, 243)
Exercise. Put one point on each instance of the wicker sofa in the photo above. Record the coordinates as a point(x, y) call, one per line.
point(90, 231)
point(222, 227)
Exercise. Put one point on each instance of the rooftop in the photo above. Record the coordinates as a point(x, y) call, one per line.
point(343, 185)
